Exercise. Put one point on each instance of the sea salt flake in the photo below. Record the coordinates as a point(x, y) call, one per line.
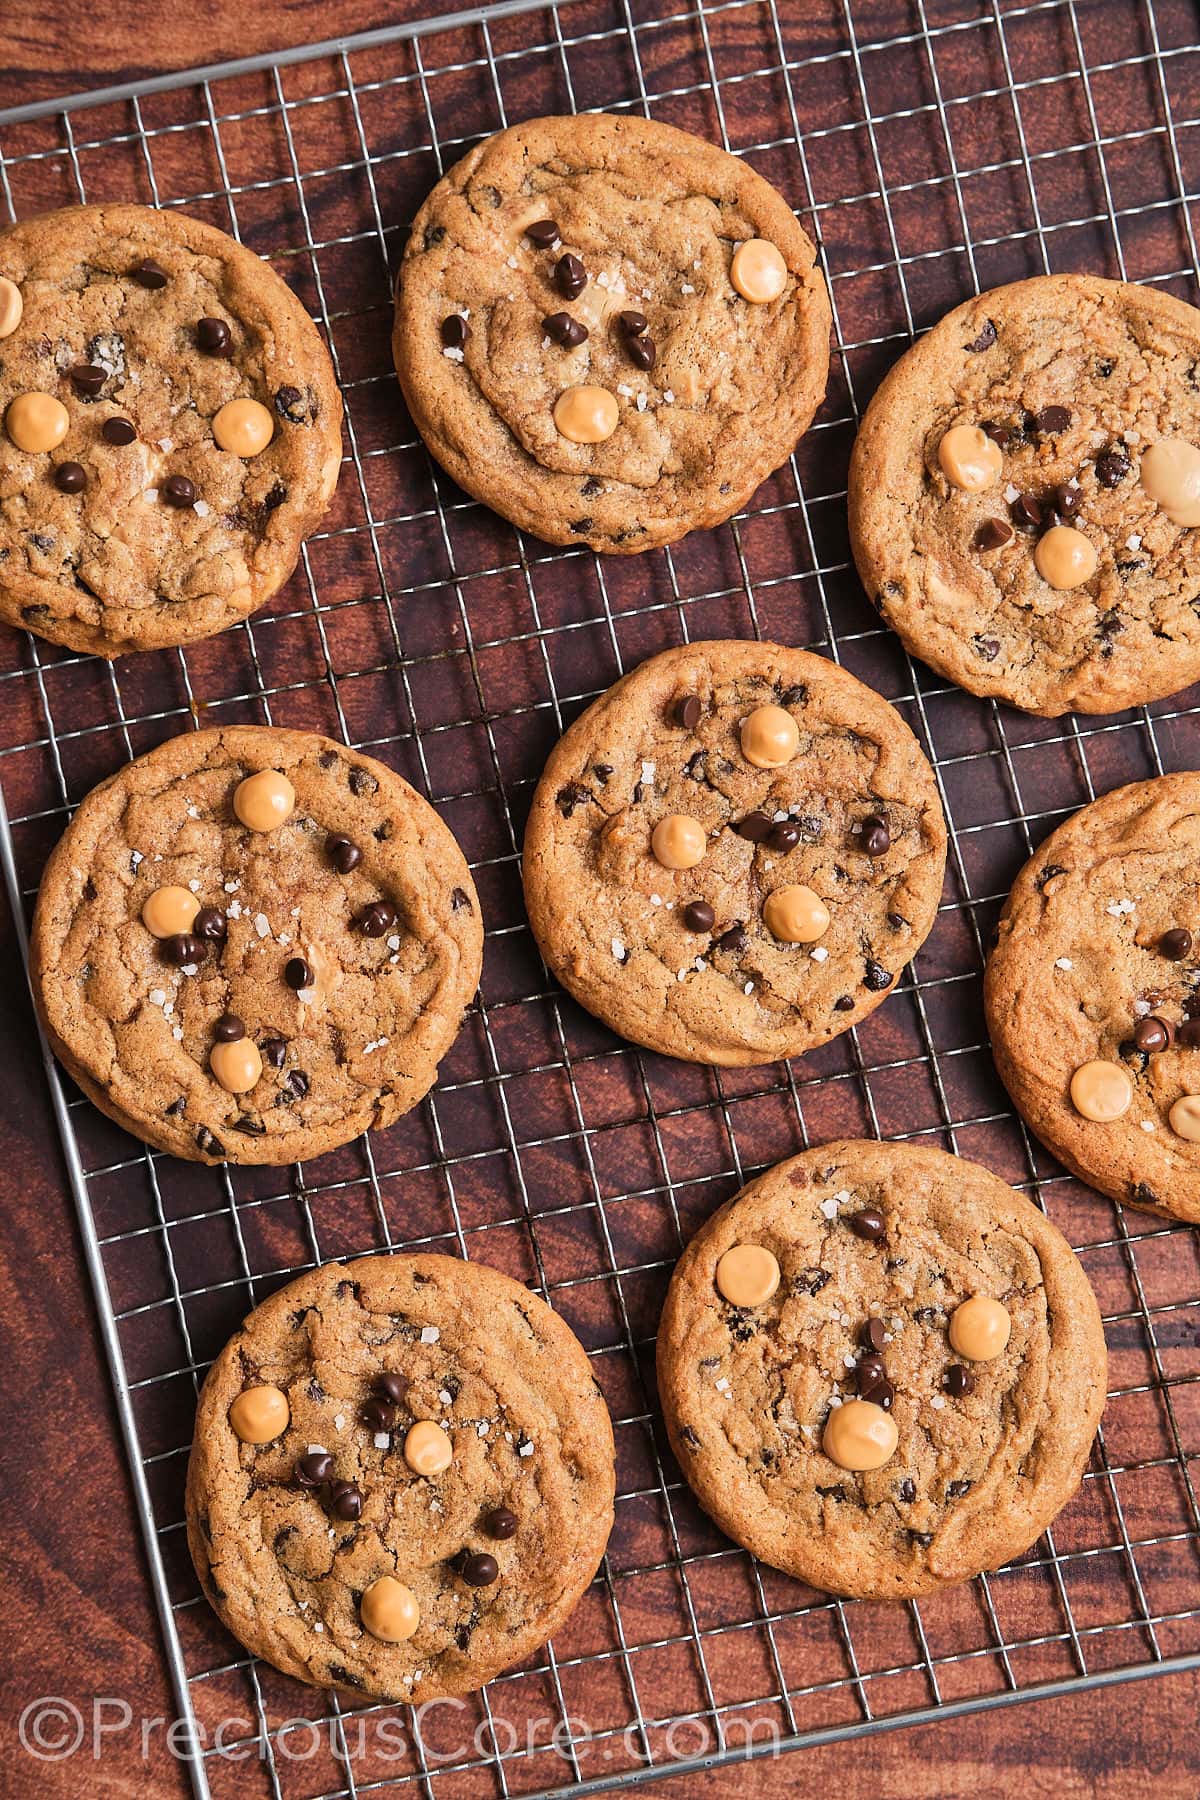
point(524, 1449)
point(451, 354)
point(339, 1421)
point(820, 954)
point(317, 1625)
point(748, 987)
point(1133, 541)
point(262, 925)
point(625, 391)
point(446, 1397)
point(317, 1450)
point(618, 949)
point(641, 402)
point(193, 887)
point(430, 1334)
point(150, 494)
point(648, 769)
point(722, 1386)
point(937, 1401)
point(136, 857)
point(481, 1430)
point(656, 899)
point(231, 887)
point(157, 997)
point(1146, 1124)
point(850, 1361)
point(393, 942)
point(177, 1033)
point(1010, 493)
point(381, 1440)
point(685, 287)
point(681, 974)
point(202, 509)
point(193, 812)
point(828, 1209)
point(669, 396)
point(513, 263)
point(1063, 962)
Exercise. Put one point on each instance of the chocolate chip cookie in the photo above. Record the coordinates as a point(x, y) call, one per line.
point(253, 944)
point(171, 428)
point(881, 1369)
point(608, 330)
point(734, 852)
point(1093, 995)
point(401, 1479)
point(1025, 492)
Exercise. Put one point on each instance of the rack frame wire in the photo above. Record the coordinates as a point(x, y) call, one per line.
point(932, 150)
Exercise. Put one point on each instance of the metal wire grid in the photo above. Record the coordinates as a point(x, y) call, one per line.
point(422, 629)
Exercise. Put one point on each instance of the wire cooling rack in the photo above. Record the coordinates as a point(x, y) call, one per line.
point(931, 148)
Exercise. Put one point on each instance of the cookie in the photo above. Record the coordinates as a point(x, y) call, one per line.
point(881, 1369)
point(401, 1479)
point(734, 852)
point(171, 428)
point(608, 330)
point(253, 944)
point(1024, 494)
point(1093, 995)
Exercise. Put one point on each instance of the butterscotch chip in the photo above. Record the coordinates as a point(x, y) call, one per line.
point(769, 738)
point(1090, 993)
point(703, 395)
point(427, 1449)
point(969, 459)
point(165, 929)
point(980, 1328)
point(821, 1427)
point(1083, 390)
point(36, 422)
point(112, 566)
point(747, 1275)
point(1184, 1118)
point(323, 1550)
point(679, 950)
point(259, 1414)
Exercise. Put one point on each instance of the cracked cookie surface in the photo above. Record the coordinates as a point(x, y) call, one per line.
point(613, 922)
point(1085, 962)
point(351, 1049)
point(1073, 379)
point(747, 1393)
point(114, 567)
point(655, 217)
point(510, 1385)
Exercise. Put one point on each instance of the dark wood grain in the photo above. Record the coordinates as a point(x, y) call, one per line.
point(78, 1617)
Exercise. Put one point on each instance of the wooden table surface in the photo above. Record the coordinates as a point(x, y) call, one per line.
point(79, 1617)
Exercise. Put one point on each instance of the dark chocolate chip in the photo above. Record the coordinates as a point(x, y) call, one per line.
point(377, 919)
point(274, 1051)
point(879, 1393)
point(562, 329)
point(1065, 499)
point(783, 837)
point(314, 1468)
point(1104, 367)
point(208, 1143)
point(181, 949)
point(289, 404)
point(684, 711)
point(1189, 1033)
point(876, 977)
point(1026, 513)
point(478, 1568)
point(633, 324)
point(117, 431)
point(379, 1414)
point(844, 1003)
point(988, 648)
point(1151, 1035)
point(229, 1028)
point(958, 1380)
point(177, 490)
point(458, 899)
point(297, 973)
point(454, 331)
point(500, 1523)
point(908, 1490)
point(698, 915)
point(986, 338)
point(296, 1082)
point(992, 534)
point(876, 839)
point(867, 1223)
point(924, 1538)
point(1112, 468)
point(734, 939)
point(870, 1370)
point(213, 337)
point(756, 826)
point(70, 477)
point(345, 1501)
point(570, 277)
point(1176, 943)
point(87, 379)
point(872, 1334)
point(956, 1489)
point(999, 434)
point(569, 797)
point(177, 1108)
point(1052, 419)
point(543, 234)
point(344, 854)
point(149, 274)
point(362, 781)
point(392, 1387)
point(641, 351)
point(210, 922)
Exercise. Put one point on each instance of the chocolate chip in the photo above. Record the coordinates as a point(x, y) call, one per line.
point(459, 899)
point(70, 477)
point(783, 837)
point(867, 1223)
point(210, 922)
point(988, 648)
point(1052, 419)
point(213, 337)
point(379, 1414)
point(543, 234)
point(958, 1380)
point(1175, 943)
point(1104, 367)
point(149, 273)
point(289, 404)
point(377, 919)
point(870, 1370)
point(876, 977)
point(876, 839)
point(570, 277)
point(229, 1028)
point(880, 1393)
point(562, 329)
point(1151, 1035)
point(908, 1490)
point(344, 854)
point(1189, 1033)
point(210, 1145)
point(633, 324)
point(844, 1003)
point(362, 781)
point(274, 1051)
point(478, 1568)
point(297, 973)
point(1065, 499)
point(117, 431)
point(183, 948)
point(698, 915)
point(956, 1489)
point(641, 351)
point(177, 490)
point(500, 1523)
point(87, 379)
point(569, 797)
point(986, 338)
point(177, 1108)
point(756, 826)
point(314, 1468)
point(454, 331)
point(999, 434)
point(1026, 513)
point(734, 939)
point(345, 1501)
point(872, 1333)
point(684, 711)
point(1112, 468)
point(296, 1083)
point(992, 533)
point(392, 1387)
